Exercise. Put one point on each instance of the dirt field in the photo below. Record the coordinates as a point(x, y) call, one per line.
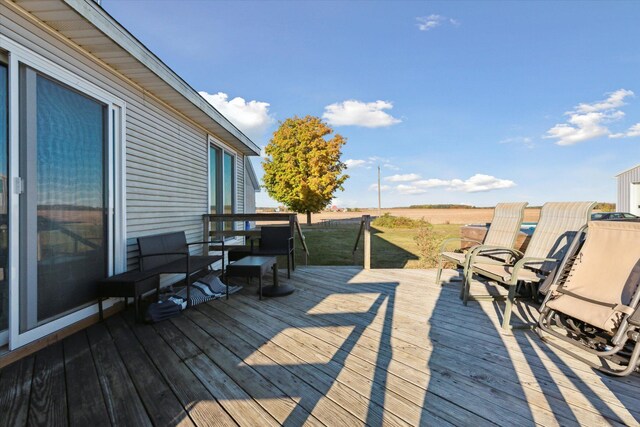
point(435, 216)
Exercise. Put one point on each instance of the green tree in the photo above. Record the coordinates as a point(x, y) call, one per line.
point(303, 168)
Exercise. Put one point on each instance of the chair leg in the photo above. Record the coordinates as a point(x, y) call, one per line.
point(506, 321)
point(288, 267)
point(439, 272)
point(466, 286)
point(293, 260)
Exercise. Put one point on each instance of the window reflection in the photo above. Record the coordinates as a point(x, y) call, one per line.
point(71, 228)
point(4, 240)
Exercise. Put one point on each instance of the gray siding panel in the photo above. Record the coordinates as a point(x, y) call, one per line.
point(166, 154)
point(624, 187)
point(240, 184)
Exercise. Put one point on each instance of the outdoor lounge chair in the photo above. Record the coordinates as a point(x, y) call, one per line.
point(558, 225)
point(503, 232)
point(597, 305)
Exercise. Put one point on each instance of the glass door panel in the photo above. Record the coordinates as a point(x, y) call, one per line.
point(63, 207)
point(4, 232)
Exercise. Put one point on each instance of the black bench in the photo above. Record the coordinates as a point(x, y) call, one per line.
point(166, 253)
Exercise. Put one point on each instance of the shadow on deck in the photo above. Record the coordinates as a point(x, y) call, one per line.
point(350, 347)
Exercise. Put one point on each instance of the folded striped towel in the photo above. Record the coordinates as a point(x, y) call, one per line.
point(215, 285)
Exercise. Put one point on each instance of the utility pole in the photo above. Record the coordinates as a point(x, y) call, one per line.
point(379, 190)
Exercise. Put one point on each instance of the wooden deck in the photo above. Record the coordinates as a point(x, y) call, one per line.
point(350, 347)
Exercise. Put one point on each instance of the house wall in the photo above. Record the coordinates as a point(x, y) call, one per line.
point(166, 154)
point(250, 194)
point(625, 180)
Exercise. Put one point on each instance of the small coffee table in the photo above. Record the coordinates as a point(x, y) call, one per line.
point(257, 266)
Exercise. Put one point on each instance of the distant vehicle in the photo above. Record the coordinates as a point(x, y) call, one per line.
point(614, 216)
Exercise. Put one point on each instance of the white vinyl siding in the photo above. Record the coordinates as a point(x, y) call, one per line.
point(240, 184)
point(625, 179)
point(166, 154)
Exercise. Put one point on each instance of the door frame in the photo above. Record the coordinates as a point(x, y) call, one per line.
point(115, 168)
point(634, 198)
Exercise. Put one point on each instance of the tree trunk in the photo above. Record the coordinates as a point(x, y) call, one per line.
point(308, 217)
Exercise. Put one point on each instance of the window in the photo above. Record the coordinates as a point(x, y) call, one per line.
point(222, 198)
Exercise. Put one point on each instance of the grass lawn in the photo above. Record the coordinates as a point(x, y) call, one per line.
point(390, 247)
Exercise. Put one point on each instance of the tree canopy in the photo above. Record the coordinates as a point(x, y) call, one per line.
point(303, 168)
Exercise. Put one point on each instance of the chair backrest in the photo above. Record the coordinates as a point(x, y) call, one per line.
point(602, 270)
point(275, 238)
point(505, 225)
point(160, 244)
point(558, 224)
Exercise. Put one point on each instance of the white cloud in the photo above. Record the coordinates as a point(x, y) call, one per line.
point(251, 117)
point(588, 121)
point(615, 100)
point(402, 178)
point(431, 183)
point(631, 133)
point(355, 163)
point(374, 187)
point(428, 23)
point(480, 182)
point(370, 163)
point(475, 184)
point(358, 113)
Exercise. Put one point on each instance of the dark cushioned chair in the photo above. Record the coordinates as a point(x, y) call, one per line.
point(276, 240)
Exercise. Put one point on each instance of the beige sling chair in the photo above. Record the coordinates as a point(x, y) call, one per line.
point(596, 305)
point(503, 232)
point(559, 223)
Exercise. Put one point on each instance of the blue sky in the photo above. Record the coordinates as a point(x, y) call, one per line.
point(458, 102)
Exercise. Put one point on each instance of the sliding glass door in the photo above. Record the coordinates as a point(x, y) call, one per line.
point(63, 215)
point(4, 232)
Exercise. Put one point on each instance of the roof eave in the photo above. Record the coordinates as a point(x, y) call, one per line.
point(106, 24)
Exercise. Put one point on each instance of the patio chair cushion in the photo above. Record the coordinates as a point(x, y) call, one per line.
point(558, 225)
point(459, 258)
point(600, 282)
point(505, 225)
point(504, 272)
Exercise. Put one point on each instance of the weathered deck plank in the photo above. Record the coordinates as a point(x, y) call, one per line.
point(15, 389)
point(202, 407)
point(84, 394)
point(48, 390)
point(350, 347)
point(162, 405)
point(457, 345)
point(122, 400)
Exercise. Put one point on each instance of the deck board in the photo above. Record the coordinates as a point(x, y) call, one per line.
point(84, 394)
point(349, 347)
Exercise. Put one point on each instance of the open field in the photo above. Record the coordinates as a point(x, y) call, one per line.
point(391, 247)
point(434, 216)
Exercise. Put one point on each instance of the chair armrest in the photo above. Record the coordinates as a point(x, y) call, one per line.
point(523, 262)
point(478, 250)
point(487, 249)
